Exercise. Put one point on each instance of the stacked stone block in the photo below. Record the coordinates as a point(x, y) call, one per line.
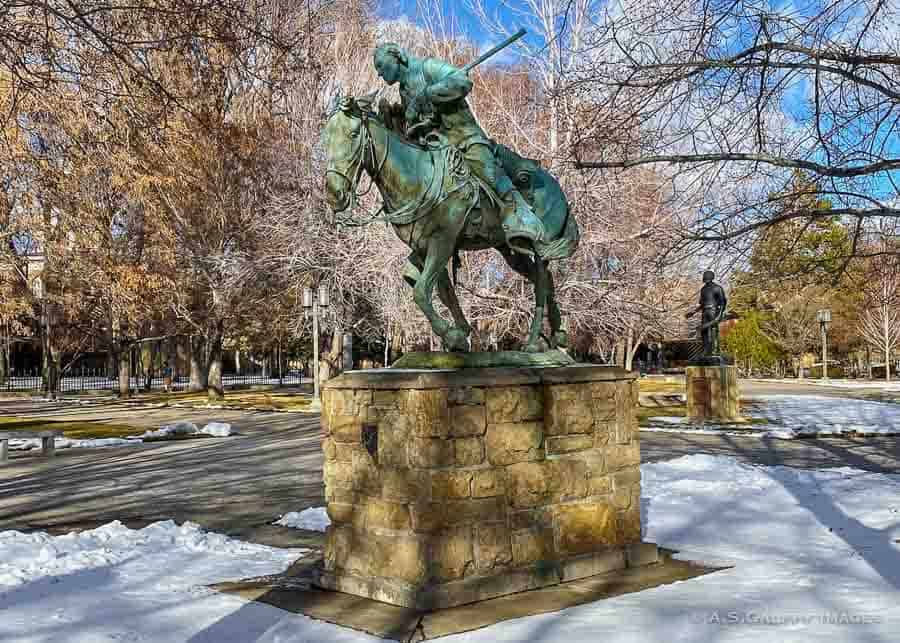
point(476, 490)
point(713, 394)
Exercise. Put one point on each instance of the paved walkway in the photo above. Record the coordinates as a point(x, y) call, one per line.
point(239, 485)
point(236, 485)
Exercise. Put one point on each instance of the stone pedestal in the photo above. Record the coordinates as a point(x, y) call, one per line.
point(450, 487)
point(713, 394)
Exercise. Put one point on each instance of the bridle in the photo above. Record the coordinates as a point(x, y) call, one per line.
point(364, 155)
point(363, 151)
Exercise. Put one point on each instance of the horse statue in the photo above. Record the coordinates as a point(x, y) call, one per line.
point(438, 207)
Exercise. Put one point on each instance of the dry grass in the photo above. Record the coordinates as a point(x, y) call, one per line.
point(644, 414)
point(76, 430)
point(656, 386)
point(238, 400)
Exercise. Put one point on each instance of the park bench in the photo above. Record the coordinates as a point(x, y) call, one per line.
point(47, 440)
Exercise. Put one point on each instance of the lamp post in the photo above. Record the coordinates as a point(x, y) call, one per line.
point(314, 304)
point(824, 317)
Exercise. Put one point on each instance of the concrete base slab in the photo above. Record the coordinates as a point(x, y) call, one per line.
point(293, 592)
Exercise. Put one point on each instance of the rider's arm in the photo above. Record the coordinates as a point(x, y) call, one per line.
point(445, 82)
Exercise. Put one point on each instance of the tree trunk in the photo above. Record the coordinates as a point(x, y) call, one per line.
point(887, 346)
point(629, 349)
point(182, 356)
point(124, 359)
point(150, 368)
point(619, 353)
point(198, 363)
point(172, 357)
point(4, 362)
point(111, 357)
point(335, 354)
point(50, 359)
point(214, 388)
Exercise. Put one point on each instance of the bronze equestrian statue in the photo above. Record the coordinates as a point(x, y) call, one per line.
point(446, 187)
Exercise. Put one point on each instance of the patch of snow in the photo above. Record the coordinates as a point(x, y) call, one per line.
point(793, 416)
point(860, 384)
point(70, 443)
point(789, 417)
point(217, 429)
point(847, 384)
point(179, 428)
point(714, 429)
point(313, 519)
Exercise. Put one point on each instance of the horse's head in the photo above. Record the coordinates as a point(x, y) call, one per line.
point(346, 143)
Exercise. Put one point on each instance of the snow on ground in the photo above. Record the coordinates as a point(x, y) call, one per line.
point(682, 426)
point(214, 429)
point(313, 519)
point(795, 416)
point(72, 443)
point(118, 584)
point(815, 557)
point(860, 384)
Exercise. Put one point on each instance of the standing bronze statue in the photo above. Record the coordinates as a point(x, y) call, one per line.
point(446, 187)
point(713, 304)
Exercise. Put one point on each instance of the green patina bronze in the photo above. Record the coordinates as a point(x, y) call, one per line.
point(446, 187)
point(435, 360)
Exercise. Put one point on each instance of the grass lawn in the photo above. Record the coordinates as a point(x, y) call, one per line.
point(645, 413)
point(656, 386)
point(76, 430)
point(262, 400)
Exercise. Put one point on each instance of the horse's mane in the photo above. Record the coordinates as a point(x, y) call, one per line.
point(400, 138)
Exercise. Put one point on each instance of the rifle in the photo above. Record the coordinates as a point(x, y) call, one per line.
point(503, 45)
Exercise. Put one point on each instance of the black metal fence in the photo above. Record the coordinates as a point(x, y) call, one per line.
point(96, 379)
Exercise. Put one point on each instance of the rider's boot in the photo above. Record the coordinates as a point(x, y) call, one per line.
point(520, 224)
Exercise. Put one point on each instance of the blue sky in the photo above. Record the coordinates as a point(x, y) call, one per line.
point(408, 9)
point(468, 25)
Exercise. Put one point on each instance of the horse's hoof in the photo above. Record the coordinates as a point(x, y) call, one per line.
point(456, 341)
point(559, 339)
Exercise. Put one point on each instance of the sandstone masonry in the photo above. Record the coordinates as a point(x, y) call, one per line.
point(713, 394)
point(450, 487)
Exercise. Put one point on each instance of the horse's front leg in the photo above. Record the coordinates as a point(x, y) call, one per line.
point(533, 345)
point(439, 252)
point(447, 293)
point(558, 337)
point(527, 267)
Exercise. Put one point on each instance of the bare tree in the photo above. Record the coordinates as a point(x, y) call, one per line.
point(880, 328)
point(728, 99)
point(880, 323)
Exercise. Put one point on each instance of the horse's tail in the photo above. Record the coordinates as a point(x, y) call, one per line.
point(564, 245)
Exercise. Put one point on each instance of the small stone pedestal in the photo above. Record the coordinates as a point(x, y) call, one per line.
point(450, 487)
point(713, 394)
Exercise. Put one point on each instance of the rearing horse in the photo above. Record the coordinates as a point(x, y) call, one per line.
point(437, 208)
